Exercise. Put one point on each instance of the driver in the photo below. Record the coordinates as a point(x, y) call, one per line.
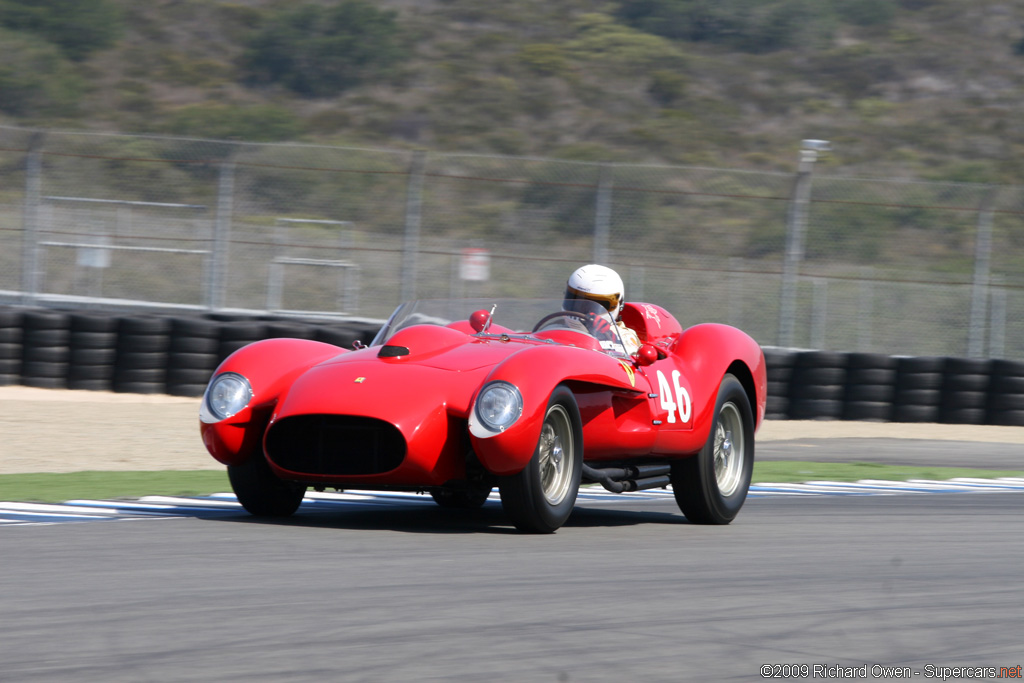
point(603, 286)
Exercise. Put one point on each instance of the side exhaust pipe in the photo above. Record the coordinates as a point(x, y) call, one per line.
point(629, 478)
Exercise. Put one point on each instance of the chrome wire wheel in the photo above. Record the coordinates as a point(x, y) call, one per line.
point(539, 498)
point(711, 485)
point(729, 449)
point(556, 454)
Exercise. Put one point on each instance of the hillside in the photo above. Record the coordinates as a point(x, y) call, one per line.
point(909, 88)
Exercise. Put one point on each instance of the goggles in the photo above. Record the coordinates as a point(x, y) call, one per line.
point(610, 302)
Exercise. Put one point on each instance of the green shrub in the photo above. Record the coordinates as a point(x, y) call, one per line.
point(181, 69)
point(35, 79)
point(134, 96)
point(750, 25)
point(78, 27)
point(544, 59)
point(667, 87)
point(600, 39)
point(261, 122)
point(318, 51)
point(866, 12)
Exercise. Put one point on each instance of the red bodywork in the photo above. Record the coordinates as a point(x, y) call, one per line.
point(364, 419)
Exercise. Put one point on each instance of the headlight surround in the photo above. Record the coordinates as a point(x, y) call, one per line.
point(498, 406)
point(227, 394)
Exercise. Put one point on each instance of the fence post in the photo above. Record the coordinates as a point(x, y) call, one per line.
point(997, 341)
point(413, 218)
point(982, 269)
point(216, 277)
point(603, 215)
point(737, 289)
point(819, 313)
point(30, 220)
point(865, 309)
point(796, 226)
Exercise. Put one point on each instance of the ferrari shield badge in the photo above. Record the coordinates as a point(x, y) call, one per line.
point(629, 371)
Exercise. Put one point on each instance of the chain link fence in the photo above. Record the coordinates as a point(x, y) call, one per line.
point(799, 260)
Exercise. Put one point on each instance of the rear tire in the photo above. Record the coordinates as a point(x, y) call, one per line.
point(261, 492)
point(540, 498)
point(711, 486)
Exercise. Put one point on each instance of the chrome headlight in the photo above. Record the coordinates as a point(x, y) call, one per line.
point(227, 394)
point(498, 406)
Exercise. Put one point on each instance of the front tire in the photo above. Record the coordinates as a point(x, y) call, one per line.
point(540, 498)
point(711, 486)
point(261, 492)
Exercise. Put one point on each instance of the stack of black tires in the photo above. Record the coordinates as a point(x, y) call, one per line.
point(965, 388)
point(141, 364)
point(1006, 393)
point(870, 387)
point(918, 389)
point(817, 385)
point(10, 346)
point(92, 351)
point(143, 354)
point(825, 385)
point(779, 371)
point(193, 353)
point(45, 337)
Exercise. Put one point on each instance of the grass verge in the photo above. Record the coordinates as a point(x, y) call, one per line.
point(795, 471)
point(56, 488)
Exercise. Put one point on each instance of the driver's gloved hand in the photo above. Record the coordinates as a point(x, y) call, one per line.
point(599, 326)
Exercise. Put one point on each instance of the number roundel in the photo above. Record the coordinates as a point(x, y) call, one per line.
point(674, 398)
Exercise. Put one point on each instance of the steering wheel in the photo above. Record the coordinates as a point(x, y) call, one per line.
point(559, 314)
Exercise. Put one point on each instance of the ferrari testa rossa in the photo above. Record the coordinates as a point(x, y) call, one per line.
point(456, 397)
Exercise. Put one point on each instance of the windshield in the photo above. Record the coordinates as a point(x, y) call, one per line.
point(530, 317)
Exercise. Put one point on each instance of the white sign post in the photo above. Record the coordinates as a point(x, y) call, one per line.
point(475, 265)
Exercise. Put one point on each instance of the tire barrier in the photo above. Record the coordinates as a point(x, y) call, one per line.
point(193, 353)
point(918, 389)
point(92, 351)
point(235, 334)
point(817, 385)
point(337, 335)
point(10, 346)
point(140, 366)
point(177, 355)
point(965, 386)
point(779, 366)
point(295, 330)
point(875, 387)
point(870, 387)
point(1006, 393)
point(44, 337)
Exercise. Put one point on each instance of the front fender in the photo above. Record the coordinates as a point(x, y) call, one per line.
point(536, 371)
point(270, 366)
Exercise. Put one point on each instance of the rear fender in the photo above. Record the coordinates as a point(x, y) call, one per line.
point(709, 352)
point(270, 366)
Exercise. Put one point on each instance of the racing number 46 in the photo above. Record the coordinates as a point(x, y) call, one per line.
point(674, 398)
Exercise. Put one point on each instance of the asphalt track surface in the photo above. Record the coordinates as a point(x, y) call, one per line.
point(626, 591)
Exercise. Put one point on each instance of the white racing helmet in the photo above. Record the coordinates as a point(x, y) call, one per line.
point(599, 284)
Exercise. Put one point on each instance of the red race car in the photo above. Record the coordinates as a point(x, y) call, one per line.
point(454, 397)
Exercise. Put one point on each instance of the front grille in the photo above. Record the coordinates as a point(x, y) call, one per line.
point(335, 445)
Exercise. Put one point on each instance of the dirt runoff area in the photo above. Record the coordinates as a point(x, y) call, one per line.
point(46, 430)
